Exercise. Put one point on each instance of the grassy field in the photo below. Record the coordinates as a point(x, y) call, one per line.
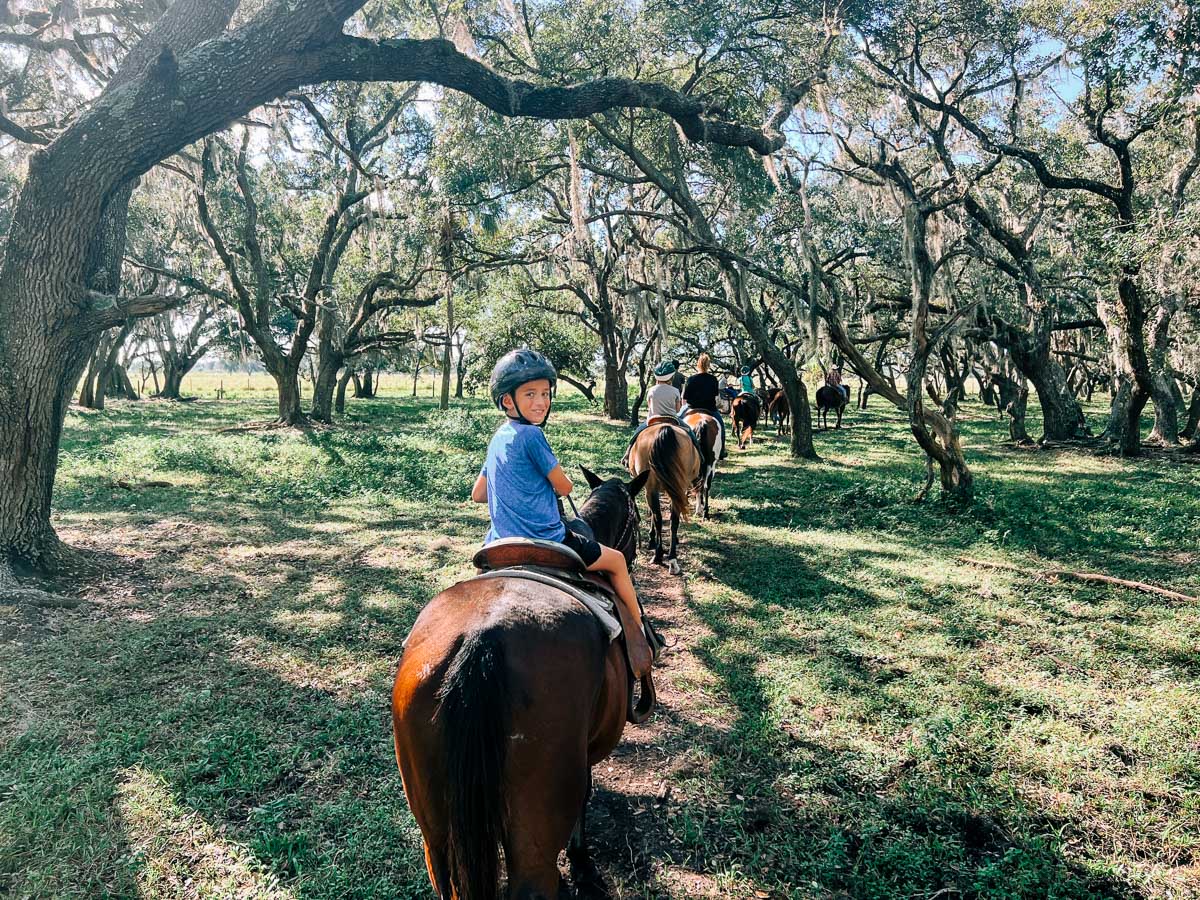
point(858, 712)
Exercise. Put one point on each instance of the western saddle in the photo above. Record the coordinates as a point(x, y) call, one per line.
point(558, 566)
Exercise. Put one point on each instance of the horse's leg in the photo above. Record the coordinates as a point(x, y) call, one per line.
point(547, 774)
point(439, 870)
point(656, 526)
point(588, 880)
point(673, 562)
point(839, 421)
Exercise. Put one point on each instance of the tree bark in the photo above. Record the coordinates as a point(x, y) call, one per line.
point(1192, 427)
point(287, 383)
point(339, 403)
point(936, 434)
point(1164, 389)
point(616, 391)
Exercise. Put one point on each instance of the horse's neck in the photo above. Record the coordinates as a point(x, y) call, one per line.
point(604, 527)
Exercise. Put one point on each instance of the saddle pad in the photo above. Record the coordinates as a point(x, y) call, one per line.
point(602, 609)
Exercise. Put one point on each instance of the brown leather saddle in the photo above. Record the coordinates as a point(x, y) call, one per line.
point(550, 562)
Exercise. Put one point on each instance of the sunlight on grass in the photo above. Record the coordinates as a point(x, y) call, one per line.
point(178, 854)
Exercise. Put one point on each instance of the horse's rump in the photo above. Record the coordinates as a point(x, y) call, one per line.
point(673, 461)
point(746, 409)
point(707, 430)
point(830, 397)
point(488, 660)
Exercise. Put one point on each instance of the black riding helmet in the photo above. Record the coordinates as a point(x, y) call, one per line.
point(518, 367)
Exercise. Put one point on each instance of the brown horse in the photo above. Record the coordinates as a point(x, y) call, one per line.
point(766, 396)
point(667, 452)
point(781, 413)
point(745, 417)
point(831, 397)
point(708, 432)
point(507, 694)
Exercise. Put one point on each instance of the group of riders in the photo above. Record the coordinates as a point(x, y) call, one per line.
point(469, 771)
point(521, 480)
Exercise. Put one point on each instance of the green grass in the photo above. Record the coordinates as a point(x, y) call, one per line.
point(869, 717)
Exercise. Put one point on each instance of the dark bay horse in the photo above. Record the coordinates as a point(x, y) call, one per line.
point(507, 694)
point(766, 396)
point(830, 397)
point(667, 453)
point(746, 411)
point(781, 412)
point(708, 432)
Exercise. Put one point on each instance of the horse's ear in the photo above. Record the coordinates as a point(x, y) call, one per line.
point(639, 482)
point(594, 481)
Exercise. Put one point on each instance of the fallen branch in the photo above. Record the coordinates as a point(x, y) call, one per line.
point(1090, 577)
point(138, 485)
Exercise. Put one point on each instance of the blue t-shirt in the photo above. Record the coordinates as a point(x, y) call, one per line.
point(747, 384)
point(521, 500)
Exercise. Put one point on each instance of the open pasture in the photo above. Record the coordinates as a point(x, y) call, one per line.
point(851, 709)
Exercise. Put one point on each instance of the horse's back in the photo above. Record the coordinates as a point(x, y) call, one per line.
point(830, 397)
point(541, 629)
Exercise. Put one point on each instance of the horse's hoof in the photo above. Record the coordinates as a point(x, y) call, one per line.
point(674, 567)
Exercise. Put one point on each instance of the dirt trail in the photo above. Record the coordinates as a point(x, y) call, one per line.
point(632, 805)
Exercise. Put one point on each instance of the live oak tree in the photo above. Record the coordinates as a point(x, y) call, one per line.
point(188, 78)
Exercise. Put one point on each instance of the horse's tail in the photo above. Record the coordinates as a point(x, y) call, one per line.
point(666, 459)
point(474, 713)
point(706, 434)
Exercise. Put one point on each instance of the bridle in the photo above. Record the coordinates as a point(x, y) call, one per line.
point(627, 537)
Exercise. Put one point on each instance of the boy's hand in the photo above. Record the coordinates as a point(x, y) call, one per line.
point(559, 481)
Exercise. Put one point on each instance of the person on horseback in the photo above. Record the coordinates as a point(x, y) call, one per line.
point(700, 393)
point(834, 379)
point(747, 381)
point(662, 400)
point(521, 480)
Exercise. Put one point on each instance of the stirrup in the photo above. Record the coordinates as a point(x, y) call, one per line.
point(656, 641)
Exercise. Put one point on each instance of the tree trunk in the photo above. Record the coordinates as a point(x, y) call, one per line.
point(87, 387)
point(1164, 389)
point(329, 363)
point(324, 385)
point(1167, 401)
point(104, 374)
point(1013, 400)
point(616, 392)
point(339, 404)
point(369, 386)
point(287, 383)
point(444, 401)
point(173, 373)
point(460, 370)
point(935, 433)
point(1192, 428)
point(31, 419)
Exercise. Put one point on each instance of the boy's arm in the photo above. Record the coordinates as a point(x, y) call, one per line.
point(479, 491)
point(559, 481)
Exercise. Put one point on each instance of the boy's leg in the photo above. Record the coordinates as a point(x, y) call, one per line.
point(612, 564)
